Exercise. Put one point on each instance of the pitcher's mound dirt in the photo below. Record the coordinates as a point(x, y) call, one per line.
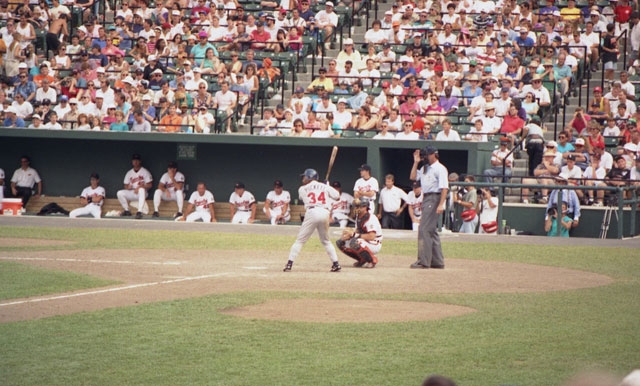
point(347, 311)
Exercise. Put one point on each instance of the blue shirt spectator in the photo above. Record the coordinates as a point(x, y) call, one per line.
point(26, 88)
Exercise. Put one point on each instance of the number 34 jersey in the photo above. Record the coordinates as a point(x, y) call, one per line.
point(318, 195)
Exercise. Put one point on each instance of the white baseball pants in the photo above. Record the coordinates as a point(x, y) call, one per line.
point(87, 210)
point(205, 216)
point(124, 196)
point(173, 195)
point(315, 218)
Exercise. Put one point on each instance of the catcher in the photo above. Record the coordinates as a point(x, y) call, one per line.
point(365, 241)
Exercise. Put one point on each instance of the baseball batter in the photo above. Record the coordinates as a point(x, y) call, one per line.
point(92, 198)
point(242, 205)
point(341, 209)
point(276, 206)
point(170, 188)
point(414, 205)
point(317, 198)
point(363, 243)
point(366, 186)
point(137, 182)
point(200, 206)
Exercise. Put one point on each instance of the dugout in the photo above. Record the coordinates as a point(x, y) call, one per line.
point(65, 159)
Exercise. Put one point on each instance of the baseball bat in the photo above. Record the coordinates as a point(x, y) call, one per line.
point(334, 153)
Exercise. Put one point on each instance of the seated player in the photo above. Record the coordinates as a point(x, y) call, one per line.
point(91, 198)
point(200, 206)
point(170, 189)
point(276, 206)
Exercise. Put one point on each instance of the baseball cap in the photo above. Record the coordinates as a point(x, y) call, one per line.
point(489, 106)
point(239, 185)
point(22, 65)
point(597, 89)
point(579, 141)
point(336, 184)
point(549, 154)
point(571, 157)
point(329, 4)
point(505, 89)
point(322, 69)
point(386, 84)
point(136, 156)
point(365, 167)
point(10, 109)
point(430, 150)
point(618, 157)
point(348, 41)
point(64, 98)
point(36, 116)
point(146, 97)
point(175, 12)
point(299, 90)
point(342, 100)
point(504, 140)
point(95, 175)
point(278, 183)
point(416, 184)
point(552, 144)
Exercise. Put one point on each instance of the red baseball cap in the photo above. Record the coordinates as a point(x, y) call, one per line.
point(597, 89)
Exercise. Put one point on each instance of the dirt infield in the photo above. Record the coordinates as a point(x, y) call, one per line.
point(157, 275)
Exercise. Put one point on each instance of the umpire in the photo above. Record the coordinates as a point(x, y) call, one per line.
point(434, 179)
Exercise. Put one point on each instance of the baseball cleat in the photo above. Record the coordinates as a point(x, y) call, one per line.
point(139, 215)
point(369, 265)
point(156, 214)
point(287, 268)
point(125, 213)
point(336, 267)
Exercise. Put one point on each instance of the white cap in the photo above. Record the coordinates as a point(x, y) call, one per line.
point(10, 109)
point(146, 97)
point(34, 116)
point(110, 106)
point(186, 62)
point(157, 71)
point(348, 41)
point(342, 100)
point(175, 12)
point(417, 35)
point(129, 80)
point(151, 57)
point(83, 29)
point(100, 70)
point(556, 13)
point(405, 58)
point(329, 3)
point(73, 101)
point(552, 143)
point(388, 13)
point(197, 69)
point(579, 141)
point(23, 65)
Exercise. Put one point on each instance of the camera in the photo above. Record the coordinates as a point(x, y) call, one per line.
point(551, 211)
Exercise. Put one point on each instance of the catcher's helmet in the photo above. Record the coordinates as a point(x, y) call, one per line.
point(310, 174)
point(361, 202)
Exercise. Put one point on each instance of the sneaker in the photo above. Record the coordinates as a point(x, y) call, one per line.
point(525, 201)
point(156, 214)
point(287, 267)
point(336, 267)
point(125, 213)
point(590, 202)
point(598, 204)
point(139, 215)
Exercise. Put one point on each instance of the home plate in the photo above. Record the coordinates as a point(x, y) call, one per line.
point(255, 268)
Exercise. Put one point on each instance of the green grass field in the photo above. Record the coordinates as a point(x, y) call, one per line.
point(515, 339)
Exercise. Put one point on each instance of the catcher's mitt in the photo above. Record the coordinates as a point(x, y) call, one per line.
point(347, 234)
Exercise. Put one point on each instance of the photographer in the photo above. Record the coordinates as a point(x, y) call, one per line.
point(466, 200)
point(487, 208)
point(551, 222)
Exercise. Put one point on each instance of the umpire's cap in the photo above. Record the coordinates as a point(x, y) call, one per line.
point(428, 150)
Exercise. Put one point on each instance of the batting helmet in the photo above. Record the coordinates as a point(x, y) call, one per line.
point(361, 202)
point(310, 174)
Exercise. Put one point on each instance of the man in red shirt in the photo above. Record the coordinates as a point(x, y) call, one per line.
point(623, 12)
point(260, 38)
point(512, 124)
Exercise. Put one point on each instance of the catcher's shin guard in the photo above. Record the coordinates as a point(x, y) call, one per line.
point(364, 254)
point(347, 251)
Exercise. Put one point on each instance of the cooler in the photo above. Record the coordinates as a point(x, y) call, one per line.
point(11, 206)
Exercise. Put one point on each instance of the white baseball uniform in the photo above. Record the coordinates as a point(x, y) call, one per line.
point(370, 185)
point(317, 198)
point(341, 209)
point(415, 206)
point(137, 180)
point(278, 202)
point(93, 208)
point(201, 206)
point(243, 207)
point(372, 224)
point(171, 193)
